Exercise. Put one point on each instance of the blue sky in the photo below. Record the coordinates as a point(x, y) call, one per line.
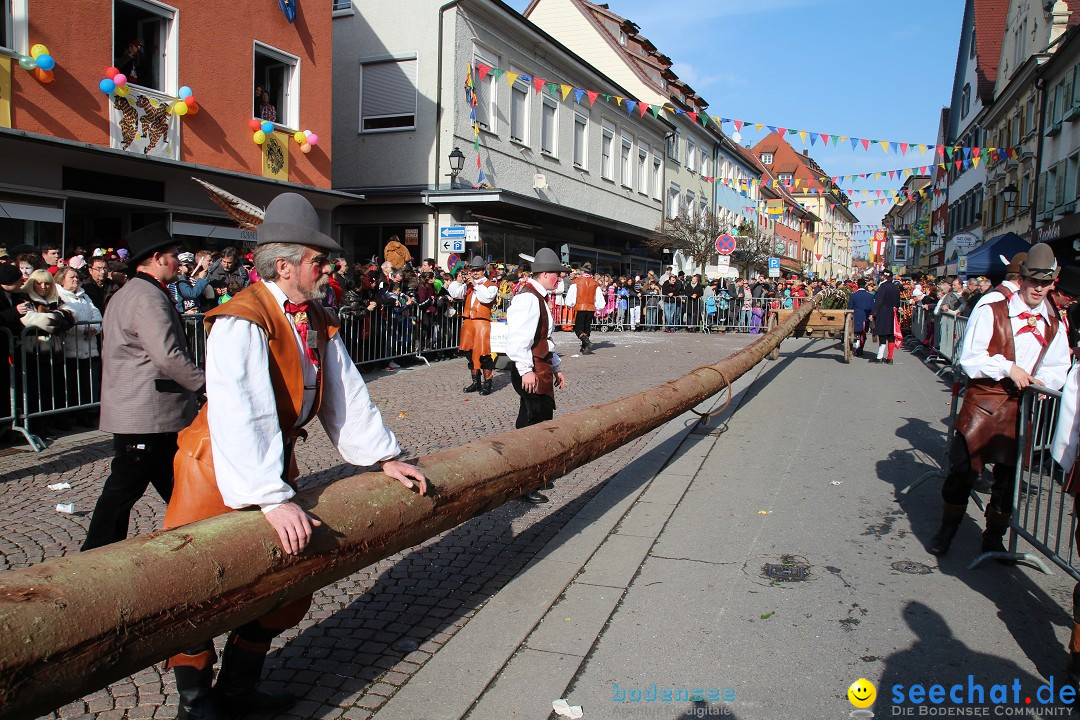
point(862, 68)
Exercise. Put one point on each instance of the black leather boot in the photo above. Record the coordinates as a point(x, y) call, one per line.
point(238, 681)
point(951, 516)
point(197, 700)
point(485, 387)
point(475, 387)
point(997, 524)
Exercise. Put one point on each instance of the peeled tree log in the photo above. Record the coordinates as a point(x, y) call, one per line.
point(72, 625)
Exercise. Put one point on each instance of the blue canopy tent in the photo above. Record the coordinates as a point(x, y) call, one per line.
point(986, 260)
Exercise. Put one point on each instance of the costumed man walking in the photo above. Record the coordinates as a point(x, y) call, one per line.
point(274, 361)
point(862, 303)
point(479, 294)
point(1009, 344)
point(886, 306)
point(148, 384)
point(585, 296)
point(535, 366)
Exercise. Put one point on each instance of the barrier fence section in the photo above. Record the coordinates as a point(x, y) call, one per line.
point(650, 313)
point(1043, 513)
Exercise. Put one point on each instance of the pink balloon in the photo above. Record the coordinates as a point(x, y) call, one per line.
point(313, 139)
point(120, 79)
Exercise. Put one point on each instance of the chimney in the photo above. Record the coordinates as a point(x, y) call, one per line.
point(1059, 21)
point(806, 152)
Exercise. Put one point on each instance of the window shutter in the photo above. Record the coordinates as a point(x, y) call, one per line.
point(389, 89)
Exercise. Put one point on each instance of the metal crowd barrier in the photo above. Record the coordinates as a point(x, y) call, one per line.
point(1043, 513)
point(650, 313)
point(57, 374)
point(389, 333)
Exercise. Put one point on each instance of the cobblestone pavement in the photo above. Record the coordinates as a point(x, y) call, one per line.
point(367, 634)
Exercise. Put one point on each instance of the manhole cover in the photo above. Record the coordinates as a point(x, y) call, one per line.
point(911, 567)
point(789, 569)
point(406, 645)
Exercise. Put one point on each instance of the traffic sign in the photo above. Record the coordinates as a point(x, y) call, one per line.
point(452, 231)
point(725, 244)
point(452, 261)
point(774, 263)
point(454, 245)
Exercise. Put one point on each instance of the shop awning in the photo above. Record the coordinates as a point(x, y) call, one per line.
point(985, 260)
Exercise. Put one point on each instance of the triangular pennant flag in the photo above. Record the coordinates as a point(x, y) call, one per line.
point(592, 96)
point(976, 152)
point(967, 153)
point(825, 138)
point(704, 119)
point(693, 116)
point(655, 109)
point(482, 70)
point(738, 125)
point(553, 89)
point(511, 78)
point(630, 105)
point(618, 100)
point(578, 94)
point(781, 132)
point(758, 125)
point(865, 143)
point(854, 143)
point(813, 138)
point(885, 147)
point(497, 73)
point(539, 84)
point(606, 97)
point(975, 161)
point(903, 148)
point(802, 135)
point(643, 107)
point(959, 164)
point(772, 128)
point(895, 146)
point(892, 174)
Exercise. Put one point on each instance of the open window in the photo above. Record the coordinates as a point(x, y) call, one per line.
point(144, 43)
point(388, 95)
point(276, 88)
point(12, 24)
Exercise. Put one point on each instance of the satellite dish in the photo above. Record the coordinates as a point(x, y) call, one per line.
point(539, 182)
point(737, 137)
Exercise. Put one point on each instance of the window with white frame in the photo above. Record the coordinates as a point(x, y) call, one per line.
point(581, 140)
point(766, 158)
point(703, 207)
point(674, 198)
point(607, 147)
point(144, 43)
point(657, 174)
point(519, 112)
point(673, 142)
point(388, 94)
point(691, 204)
point(277, 75)
point(13, 28)
point(487, 91)
point(706, 166)
point(785, 179)
point(625, 169)
point(549, 126)
point(691, 155)
point(643, 169)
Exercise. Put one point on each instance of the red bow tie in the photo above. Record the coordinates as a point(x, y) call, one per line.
point(1032, 326)
point(293, 308)
point(300, 320)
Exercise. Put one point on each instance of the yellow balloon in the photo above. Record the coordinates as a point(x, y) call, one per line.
point(299, 137)
point(123, 91)
point(259, 137)
point(37, 50)
point(180, 108)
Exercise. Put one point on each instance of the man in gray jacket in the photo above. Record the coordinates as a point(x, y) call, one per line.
point(148, 384)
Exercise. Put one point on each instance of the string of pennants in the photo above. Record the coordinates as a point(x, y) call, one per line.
point(470, 96)
point(556, 89)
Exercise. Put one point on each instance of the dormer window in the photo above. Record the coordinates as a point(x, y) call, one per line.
point(622, 38)
point(766, 158)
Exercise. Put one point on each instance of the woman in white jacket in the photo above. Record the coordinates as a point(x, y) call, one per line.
point(81, 353)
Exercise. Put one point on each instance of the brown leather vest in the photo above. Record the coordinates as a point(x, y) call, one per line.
point(988, 418)
point(1005, 290)
point(474, 309)
point(540, 353)
point(586, 293)
point(195, 493)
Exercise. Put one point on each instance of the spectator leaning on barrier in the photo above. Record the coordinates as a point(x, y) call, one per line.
point(99, 286)
point(1009, 345)
point(275, 347)
point(148, 384)
point(13, 304)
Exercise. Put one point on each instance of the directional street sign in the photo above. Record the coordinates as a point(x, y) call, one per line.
point(454, 245)
point(452, 231)
point(774, 263)
point(725, 244)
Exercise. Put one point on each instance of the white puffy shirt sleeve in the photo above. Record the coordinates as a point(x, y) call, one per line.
point(571, 295)
point(245, 435)
point(974, 358)
point(456, 290)
point(484, 293)
point(521, 320)
point(352, 421)
point(600, 301)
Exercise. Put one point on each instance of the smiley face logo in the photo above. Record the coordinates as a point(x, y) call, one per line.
point(862, 693)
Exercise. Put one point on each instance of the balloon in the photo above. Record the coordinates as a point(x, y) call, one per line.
point(259, 137)
point(305, 148)
point(267, 126)
point(184, 92)
point(300, 137)
point(307, 133)
point(179, 108)
point(46, 62)
point(107, 86)
point(38, 50)
point(193, 109)
point(27, 63)
point(120, 79)
point(189, 100)
point(123, 91)
point(313, 139)
point(255, 124)
point(44, 76)
point(110, 71)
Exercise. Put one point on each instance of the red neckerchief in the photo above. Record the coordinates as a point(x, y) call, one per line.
point(1032, 326)
point(300, 320)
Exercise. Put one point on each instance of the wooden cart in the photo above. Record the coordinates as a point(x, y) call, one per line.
point(819, 324)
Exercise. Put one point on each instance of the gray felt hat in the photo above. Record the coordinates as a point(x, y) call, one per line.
point(1040, 263)
point(290, 218)
point(546, 261)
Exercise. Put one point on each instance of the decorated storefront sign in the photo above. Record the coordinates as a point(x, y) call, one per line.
point(275, 156)
point(5, 92)
point(141, 122)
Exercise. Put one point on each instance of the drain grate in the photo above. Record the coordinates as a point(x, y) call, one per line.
point(405, 645)
point(911, 567)
point(789, 569)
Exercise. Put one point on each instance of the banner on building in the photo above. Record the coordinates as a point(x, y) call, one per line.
point(275, 156)
point(877, 247)
point(774, 207)
point(142, 124)
point(5, 92)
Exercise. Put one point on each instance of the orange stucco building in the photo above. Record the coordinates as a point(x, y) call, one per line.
point(85, 167)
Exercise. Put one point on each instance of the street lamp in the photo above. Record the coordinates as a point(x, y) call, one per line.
point(1010, 193)
point(457, 162)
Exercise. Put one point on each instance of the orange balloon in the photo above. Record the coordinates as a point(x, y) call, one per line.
point(43, 76)
point(193, 109)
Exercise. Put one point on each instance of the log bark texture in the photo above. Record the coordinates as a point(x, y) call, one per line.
point(72, 625)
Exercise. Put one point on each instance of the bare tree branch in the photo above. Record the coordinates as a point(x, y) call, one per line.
point(692, 235)
point(752, 249)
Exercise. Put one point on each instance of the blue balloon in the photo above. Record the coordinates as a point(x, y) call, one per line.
point(46, 62)
point(267, 126)
point(107, 86)
point(184, 92)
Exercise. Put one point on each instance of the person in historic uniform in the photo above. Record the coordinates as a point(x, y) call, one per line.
point(1010, 344)
point(862, 303)
point(585, 296)
point(479, 294)
point(148, 384)
point(535, 369)
point(886, 307)
point(274, 362)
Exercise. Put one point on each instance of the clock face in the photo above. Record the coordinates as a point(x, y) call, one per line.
point(780, 247)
